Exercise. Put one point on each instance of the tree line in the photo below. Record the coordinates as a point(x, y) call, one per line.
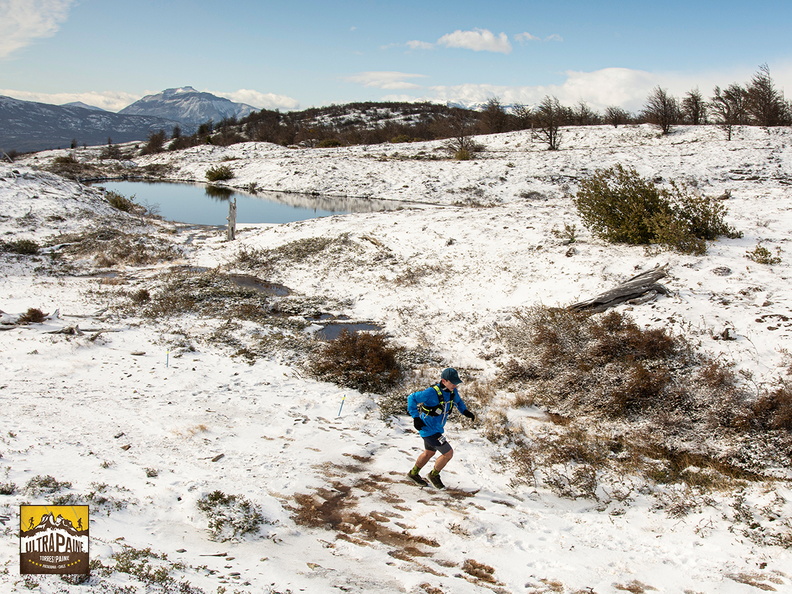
point(756, 103)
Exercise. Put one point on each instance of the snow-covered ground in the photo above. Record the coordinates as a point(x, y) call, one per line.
point(140, 410)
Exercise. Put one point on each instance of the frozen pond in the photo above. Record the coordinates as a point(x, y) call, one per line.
point(208, 205)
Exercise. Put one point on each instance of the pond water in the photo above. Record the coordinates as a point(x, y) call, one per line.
point(209, 205)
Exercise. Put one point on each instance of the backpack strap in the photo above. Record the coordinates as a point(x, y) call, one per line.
point(438, 410)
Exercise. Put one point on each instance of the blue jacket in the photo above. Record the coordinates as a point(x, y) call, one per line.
point(433, 405)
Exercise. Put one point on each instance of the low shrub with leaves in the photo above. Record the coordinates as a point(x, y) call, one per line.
point(45, 485)
point(70, 167)
point(125, 204)
point(153, 570)
point(359, 360)
point(761, 255)
point(230, 516)
point(219, 173)
point(620, 206)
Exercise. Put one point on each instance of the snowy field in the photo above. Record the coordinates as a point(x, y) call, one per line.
point(144, 417)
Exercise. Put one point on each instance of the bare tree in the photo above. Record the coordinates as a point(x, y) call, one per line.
point(494, 118)
point(459, 127)
point(549, 116)
point(616, 115)
point(523, 114)
point(694, 108)
point(765, 104)
point(661, 109)
point(728, 107)
point(583, 115)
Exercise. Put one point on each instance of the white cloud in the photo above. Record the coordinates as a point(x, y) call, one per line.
point(480, 40)
point(554, 37)
point(385, 80)
point(109, 100)
point(422, 45)
point(523, 37)
point(22, 21)
point(623, 87)
point(259, 100)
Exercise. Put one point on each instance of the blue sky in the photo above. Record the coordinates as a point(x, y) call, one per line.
point(303, 53)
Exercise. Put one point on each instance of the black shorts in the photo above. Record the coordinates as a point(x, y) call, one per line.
point(437, 443)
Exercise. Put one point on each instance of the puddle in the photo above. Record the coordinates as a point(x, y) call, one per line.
point(190, 269)
point(251, 282)
point(333, 331)
point(100, 274)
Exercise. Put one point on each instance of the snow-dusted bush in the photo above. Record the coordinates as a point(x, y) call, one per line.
point(45, 485)
point(230, 516)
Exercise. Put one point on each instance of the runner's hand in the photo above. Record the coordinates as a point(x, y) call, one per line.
point(418, 423)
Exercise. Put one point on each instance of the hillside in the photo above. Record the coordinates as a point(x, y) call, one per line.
point(158, 386)
point(32, 126)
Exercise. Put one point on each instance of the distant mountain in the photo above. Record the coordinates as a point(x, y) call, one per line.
point(31, 126)
point(188, 106)
point(83, 105)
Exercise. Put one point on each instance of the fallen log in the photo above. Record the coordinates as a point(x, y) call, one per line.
point(639, 289)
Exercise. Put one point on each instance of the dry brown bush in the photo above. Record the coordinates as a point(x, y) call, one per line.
point(363, 361)
point(32, 316)
point(773, 410)
point(605, 364)
point(479, 570)
point(604, 368)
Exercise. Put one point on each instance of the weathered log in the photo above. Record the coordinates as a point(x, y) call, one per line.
point(640, 288)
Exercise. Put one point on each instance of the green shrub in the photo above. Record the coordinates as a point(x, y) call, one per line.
point(761, 255)
point(120, 202)
point(45, 485)
point(219, 173)
point(620, 206)
point(230, 516)
point(65, 160)
point(362, 361)
point(329, 143)
point(68, 166)
point(463, 155)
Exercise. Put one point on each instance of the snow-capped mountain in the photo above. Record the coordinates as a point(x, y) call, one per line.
point(31, 126)
point(188, 106)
